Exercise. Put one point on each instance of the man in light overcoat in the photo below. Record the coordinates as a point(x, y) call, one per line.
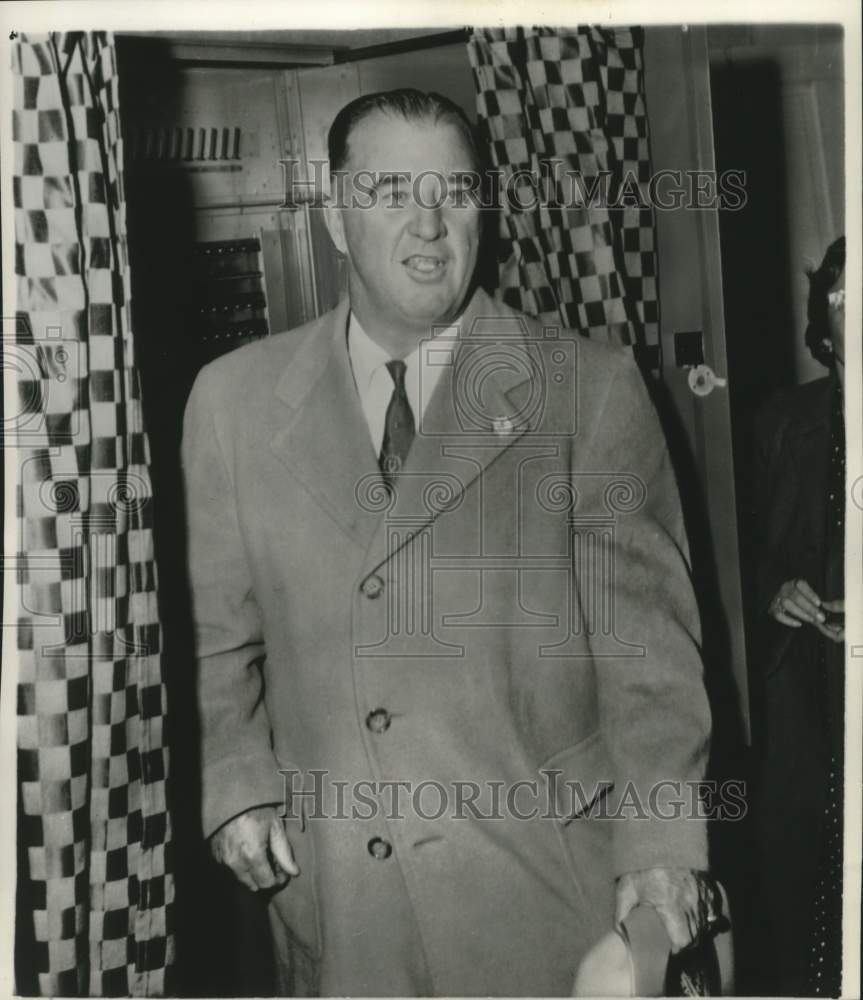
point(450, 688)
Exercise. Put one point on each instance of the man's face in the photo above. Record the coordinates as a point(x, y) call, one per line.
point(411, 242)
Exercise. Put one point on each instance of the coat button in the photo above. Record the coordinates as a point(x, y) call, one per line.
point(378, 721)
point(380, 849)
point(372, 586)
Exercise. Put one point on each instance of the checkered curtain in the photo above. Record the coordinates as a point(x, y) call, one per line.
point(574, 96)
point(94, 891)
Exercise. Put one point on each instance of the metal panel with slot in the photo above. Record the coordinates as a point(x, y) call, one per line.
point(217, 126)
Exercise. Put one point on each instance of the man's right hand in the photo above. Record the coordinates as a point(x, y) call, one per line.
point(255, 847)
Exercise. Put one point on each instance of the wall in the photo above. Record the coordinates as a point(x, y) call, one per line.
point(324, 90)
point(778, 91)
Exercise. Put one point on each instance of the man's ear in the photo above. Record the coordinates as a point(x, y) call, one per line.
point(335, 222)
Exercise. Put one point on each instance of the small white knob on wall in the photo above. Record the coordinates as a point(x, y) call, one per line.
point(703, 380)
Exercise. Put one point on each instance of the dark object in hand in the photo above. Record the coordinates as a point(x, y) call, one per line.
point(833, 618)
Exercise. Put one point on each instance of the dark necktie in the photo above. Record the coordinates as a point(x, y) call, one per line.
point(398, 427)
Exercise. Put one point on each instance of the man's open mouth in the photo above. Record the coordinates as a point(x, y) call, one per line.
point(422, 264)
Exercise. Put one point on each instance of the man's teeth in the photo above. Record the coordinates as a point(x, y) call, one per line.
point(425, 264)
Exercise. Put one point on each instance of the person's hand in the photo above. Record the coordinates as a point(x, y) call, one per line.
point(255, 847)
point(687, 901)
point(833, 630)
point(795, 604)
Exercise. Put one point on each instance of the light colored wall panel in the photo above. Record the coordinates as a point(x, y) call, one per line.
point(445, 69)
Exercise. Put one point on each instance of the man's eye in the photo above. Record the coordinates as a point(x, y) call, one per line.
point(459, 194)
point(395, 197)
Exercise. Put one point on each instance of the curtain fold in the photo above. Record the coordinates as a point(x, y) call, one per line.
point(564, 116)
point(95, 889)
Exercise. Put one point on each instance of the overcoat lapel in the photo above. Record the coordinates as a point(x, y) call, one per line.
point(476, 412)
point(478, 408)
point(325, 441)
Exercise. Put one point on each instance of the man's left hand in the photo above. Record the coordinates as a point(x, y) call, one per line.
point(687, 901)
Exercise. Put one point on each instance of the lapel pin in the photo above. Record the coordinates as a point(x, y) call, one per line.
point(502, 426)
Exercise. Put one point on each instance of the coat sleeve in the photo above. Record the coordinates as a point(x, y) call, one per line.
point(238, 769)
point(653, 707)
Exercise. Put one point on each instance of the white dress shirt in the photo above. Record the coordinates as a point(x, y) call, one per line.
point(423, 369)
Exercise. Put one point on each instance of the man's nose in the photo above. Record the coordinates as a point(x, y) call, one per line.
point(427, 222)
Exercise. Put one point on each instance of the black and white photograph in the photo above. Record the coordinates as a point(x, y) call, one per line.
point(433, 485)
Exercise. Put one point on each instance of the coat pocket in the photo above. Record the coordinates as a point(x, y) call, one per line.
point(578, 778)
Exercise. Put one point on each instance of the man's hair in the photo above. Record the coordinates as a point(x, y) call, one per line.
point(820, 283)
point(412, 106)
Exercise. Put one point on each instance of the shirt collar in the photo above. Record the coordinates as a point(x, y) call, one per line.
point(367, 356)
